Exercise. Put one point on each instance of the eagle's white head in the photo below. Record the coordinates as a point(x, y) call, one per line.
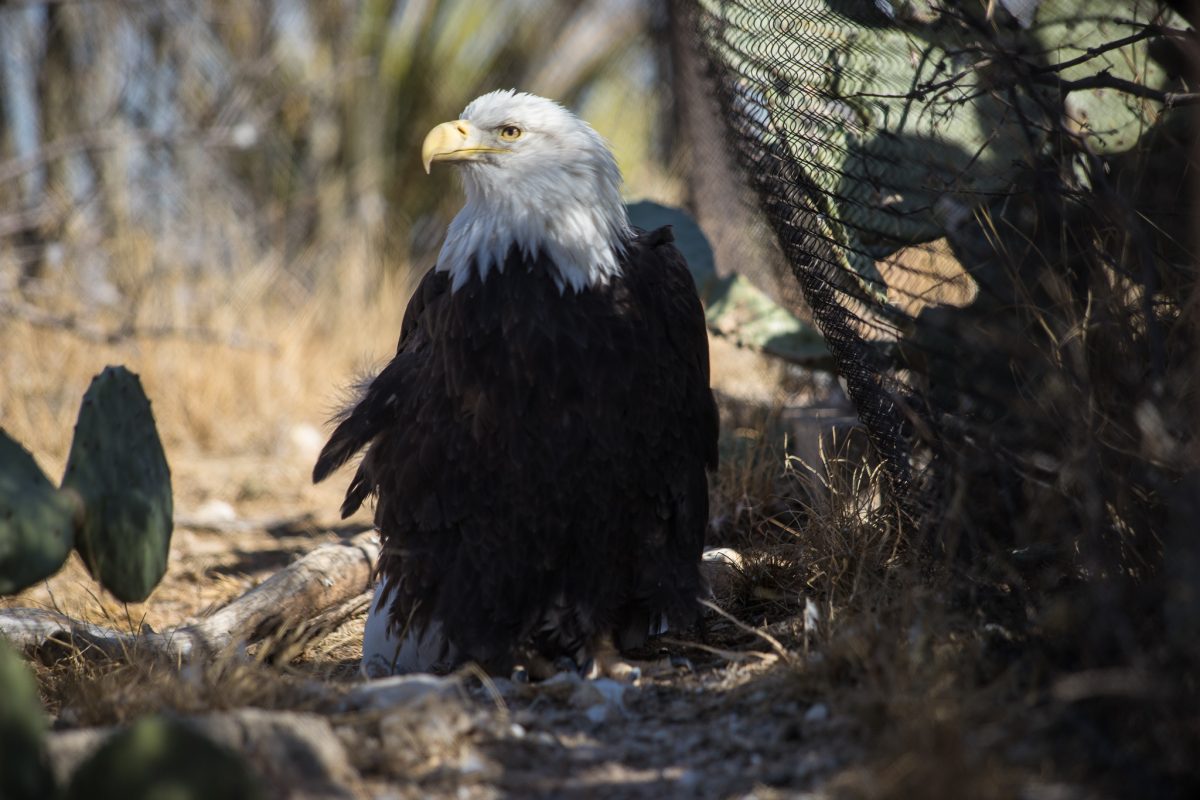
point(535, 176)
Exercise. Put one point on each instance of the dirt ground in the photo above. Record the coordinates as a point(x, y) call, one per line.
point(723, 722)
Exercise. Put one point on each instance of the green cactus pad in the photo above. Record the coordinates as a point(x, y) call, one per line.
point(164, 758)
point(37, 525)
point(24, 767)
point(733, 307)
point(118, 469)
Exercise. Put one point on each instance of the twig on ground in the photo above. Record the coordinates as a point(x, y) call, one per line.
point(733, 656)
point(779, 649)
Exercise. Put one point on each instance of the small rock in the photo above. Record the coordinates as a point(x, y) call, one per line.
point(301, 745)
point(503, 687)
point(721, 568)
point(723, 555)
point(682, 662)
point(385, 693)
point(689, 780)
point(560, 685)
point(213, 513)
point(817, 713)
point(473, 763)
point(611, 690)
point(430, 736)
point(305, 442)
point(601, 698)
point(68, 749)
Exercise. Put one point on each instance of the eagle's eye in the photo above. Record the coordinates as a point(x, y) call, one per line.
point(510, 133)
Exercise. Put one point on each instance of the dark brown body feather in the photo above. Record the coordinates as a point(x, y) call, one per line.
point(539, 459)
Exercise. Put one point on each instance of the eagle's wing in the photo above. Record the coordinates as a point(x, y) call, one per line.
point(376, 408)
point(673, 290)
point(678, 436)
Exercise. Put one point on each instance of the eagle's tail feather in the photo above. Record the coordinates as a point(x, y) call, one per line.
point(337, 451)
point(363, 423)
point(359, 488)
point(354, 432)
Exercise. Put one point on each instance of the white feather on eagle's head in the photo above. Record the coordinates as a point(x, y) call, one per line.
point(538, 177)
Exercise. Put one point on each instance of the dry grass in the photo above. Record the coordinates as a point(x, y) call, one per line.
point(81, 691)
point(237, 367)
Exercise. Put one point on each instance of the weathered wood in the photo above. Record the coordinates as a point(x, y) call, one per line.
point(36, 629)
point(288, 642)
point(325, 577)
point(331, 576)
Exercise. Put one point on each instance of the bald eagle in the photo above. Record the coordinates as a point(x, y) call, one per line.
point(538, 446)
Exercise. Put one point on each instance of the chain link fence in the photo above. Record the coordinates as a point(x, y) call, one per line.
point(986, 211)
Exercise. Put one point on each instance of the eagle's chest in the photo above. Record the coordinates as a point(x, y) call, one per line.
point(517, 355)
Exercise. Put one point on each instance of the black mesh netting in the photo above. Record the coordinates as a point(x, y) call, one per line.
point(986, 209)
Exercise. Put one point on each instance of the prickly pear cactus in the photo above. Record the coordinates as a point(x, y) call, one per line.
point(118, 469)
point(36, 520)
point(24, 769)
point(733, 307)
point(161, 757)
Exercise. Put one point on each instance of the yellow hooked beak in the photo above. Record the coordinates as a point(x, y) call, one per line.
point(454, 141)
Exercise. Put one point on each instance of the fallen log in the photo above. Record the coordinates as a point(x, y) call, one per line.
point(329, 575)
point(332, 575)
point(289, 641)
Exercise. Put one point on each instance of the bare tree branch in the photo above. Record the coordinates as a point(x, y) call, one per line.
point(1104, 80)
point(1148, 32)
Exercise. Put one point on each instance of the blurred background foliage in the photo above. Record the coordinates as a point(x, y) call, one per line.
point(219, 130)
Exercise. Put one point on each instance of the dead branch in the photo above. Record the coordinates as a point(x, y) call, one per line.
point(1105, 80)
point(779, 649)
point(333, 576)
point(1148, 32)
point(288, 642)
point(325, 577)
point(36, 629)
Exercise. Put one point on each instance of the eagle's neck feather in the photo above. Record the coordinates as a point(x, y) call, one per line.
point(578, 222)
